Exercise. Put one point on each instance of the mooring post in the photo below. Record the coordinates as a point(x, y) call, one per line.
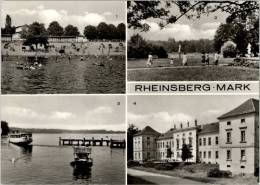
point(101, 142)
point(84, 141)
point(111, 143)
point(59, 141)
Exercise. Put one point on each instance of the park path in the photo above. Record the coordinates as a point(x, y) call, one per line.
point(182, 67)
point(161, 179)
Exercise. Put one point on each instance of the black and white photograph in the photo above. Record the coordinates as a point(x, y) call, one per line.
point(63, 139)
point(63, 47)
point(193, 40)
point(193, 139)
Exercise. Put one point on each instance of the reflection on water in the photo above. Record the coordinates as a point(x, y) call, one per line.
point(47, 163)
point(66, 77)
point(82, 173)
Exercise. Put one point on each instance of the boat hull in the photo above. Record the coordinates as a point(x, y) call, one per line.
point(20, 142)
point(81, 164)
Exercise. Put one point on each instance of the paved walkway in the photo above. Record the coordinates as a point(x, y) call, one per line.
point(160, 178)
point(183, 67)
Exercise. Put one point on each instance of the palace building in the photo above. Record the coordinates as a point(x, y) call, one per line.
point(233, 142)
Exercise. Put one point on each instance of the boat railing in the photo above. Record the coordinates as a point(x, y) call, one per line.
point(82, 149)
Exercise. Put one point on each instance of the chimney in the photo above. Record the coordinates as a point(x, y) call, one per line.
point(174, 126)
point(181, 125)
point(196, 122)
point(188, 124)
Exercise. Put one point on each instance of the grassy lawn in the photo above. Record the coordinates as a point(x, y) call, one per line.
point(136, 180)
point(198, 172)
point(203, 73)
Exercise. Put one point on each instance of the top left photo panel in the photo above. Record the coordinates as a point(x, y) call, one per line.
point(63, 47)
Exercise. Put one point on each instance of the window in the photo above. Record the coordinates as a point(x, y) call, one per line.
point(190, 140)
point(216, 154)
point(229, 123)
point(204, 141)
point(209, 154)
point(148, 142)
point(200, 141)
point(209, 141)
point(200, 155)
point(243, 120)
point(178, 144)
point(243, 155)
point(216, 140)
point(183, 141)
point(178, 154)
point(243, 136)
point(204, 154)
point(228, 155)
point(228, 137)
point(148, 155)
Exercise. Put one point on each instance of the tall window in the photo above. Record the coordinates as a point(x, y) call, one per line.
point(228, 137)
point(243, 136)
point(216, 154)
point(216, 140)
point(204, 141)
point(229, 123)
point(243, 155)
point(178, 144)
point(200, 141)
point(204, 154)
point(183, 141)
point(209, 154)
point(228, 155)
point(209, 141)
point(148, 142)
point(200, 154)
point(190, 140)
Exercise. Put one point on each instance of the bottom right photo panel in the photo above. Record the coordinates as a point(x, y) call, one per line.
point(193, 139)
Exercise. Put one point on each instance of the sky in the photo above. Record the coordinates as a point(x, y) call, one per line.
point(65, 112)
point(77, 13)
point(162, 112)
point(184, 28)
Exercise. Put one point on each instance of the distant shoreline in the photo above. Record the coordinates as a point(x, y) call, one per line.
point(64, 131)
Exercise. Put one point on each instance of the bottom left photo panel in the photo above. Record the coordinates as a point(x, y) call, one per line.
point(58, 139)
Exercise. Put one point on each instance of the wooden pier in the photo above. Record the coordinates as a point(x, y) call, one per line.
point(92, 142)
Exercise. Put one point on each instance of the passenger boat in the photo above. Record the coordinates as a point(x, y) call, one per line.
point(21, 139)
point(82, 157)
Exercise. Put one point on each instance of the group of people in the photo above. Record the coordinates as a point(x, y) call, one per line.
point(205, 59)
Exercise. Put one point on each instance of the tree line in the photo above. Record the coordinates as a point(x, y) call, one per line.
point(36, 29)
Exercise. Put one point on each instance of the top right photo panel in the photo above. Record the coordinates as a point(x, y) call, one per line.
point(193, 40)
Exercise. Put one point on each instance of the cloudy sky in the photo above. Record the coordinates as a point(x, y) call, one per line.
point(184, 29)
point(77, 13)
point(162, 112)
point(64, 112)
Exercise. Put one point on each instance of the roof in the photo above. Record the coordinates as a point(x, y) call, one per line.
point(249, 106)
point(168, 134)
point(209, 128)
point(148, 131)
point(185, 129)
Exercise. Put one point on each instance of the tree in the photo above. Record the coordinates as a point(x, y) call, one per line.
point(112, 32)
point(102, 30)
point(131, 131)
point(55, 29)
point(37, 34)
point(186, 152)
point(24, 32)
point(90, 32)
point(71, 30)
point(5, 128)
point(121, 31)
point(138, 11)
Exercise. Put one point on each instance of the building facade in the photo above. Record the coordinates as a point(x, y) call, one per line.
point(233, 142)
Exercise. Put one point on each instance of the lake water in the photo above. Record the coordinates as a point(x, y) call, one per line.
point(47, 163)
point(65, 77)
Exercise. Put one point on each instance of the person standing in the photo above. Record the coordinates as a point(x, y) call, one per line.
point(203, 58)
point(150, 60)
point(207, 58)
point(216, 58)
point(184, 59)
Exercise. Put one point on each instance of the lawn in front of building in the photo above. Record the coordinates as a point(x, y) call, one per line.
point(198, 172)
point(194, 73)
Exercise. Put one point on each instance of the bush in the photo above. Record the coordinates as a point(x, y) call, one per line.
point(229, 49)
point(131, 163)
point(149, 165)
point(165, 166)
point(215, 172)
